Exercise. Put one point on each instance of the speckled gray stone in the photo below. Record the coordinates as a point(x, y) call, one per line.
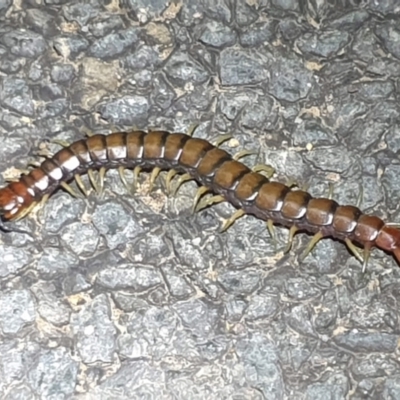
point(53, 374)
point(131, 295)
point(181, 68)
point(128, 276)
point(15, 94)
point(114, 44)
point(12, 260)
point(259, 361)
point(83, 238)
point(116, 224)
point(289, 80)
point(241, 67)
point(217, 35)
point(24, 43)
point(127, 110)
point(325, 44)
point(4, 4)
point(42, 20)
point(80, 13)
point(257, 34)
point(371, 342)
point(17, 310)
point(94, 331)
point(62, 73)
point(69, 46)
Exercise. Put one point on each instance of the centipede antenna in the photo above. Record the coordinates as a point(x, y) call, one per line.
point(354, 250)
point(292, 232)
point(121, 172)
point(235, 216)
point(222, 139)
point(182, 179)
point(209, 201)
point(92, 179)
point(266, 170)
point(170, 175)
point(156, 171)
point(199, 193)
point(311, 244)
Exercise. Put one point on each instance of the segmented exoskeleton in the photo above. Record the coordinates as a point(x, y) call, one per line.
point(250, 191)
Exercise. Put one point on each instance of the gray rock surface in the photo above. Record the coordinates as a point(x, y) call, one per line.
point(131, 296)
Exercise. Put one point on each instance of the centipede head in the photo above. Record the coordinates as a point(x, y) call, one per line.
point(9, 204)
point(10, 208)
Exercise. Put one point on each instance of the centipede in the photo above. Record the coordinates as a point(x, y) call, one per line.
point(220, 176)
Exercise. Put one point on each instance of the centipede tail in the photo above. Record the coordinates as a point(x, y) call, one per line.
point(218, 173)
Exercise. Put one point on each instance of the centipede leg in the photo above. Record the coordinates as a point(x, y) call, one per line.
point(182, 179)
point(209, 201)
point(292, 232)
point(330, 191)
point(243, 153)
point(367, 252)
point(271, 230)
point(171, 174)
point(102, 174)
point(354, 250)
point(70, 190)
point(199, 193)
point(93, 181)
point(46, 153)
point(136, 171)
point(236, 215)
point(314, 240)
point(191, 130)
point(60, 142)
point(393, 224)
point(222, 139)
point(25, 212)
point(80, 184)
point(266, 170)
point(156, 171)
point(86, 131)
point(121, 172)
point(34, 163)
point(360, 197)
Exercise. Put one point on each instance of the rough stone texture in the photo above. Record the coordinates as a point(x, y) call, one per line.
point(121, 295)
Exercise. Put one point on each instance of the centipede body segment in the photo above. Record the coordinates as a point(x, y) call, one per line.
point(216, 171)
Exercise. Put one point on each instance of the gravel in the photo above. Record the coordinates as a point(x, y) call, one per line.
point(131, 295)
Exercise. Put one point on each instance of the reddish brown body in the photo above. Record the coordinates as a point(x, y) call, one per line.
point(211, 167)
